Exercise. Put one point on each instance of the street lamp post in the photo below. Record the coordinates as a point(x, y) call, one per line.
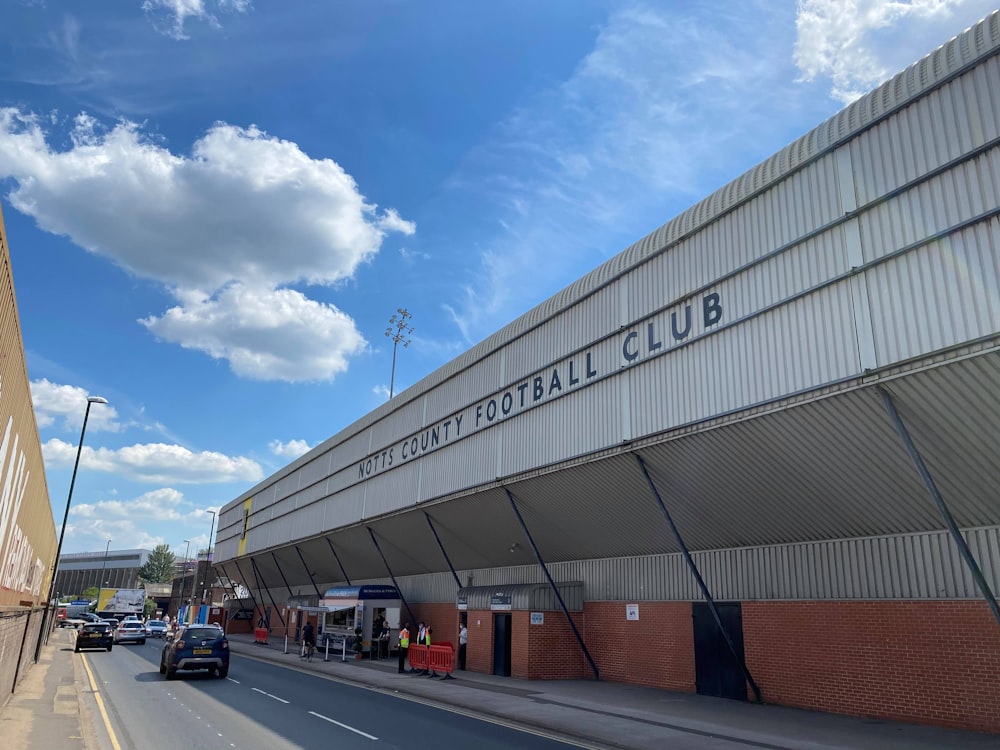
point(399, 331)
point(208, 559)
point(91, 400)
point(101, 582)
point(187, 559)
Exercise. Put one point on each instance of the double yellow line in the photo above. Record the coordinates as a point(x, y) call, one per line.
point(100, 705)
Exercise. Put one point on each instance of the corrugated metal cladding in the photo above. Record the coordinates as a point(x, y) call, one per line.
point(27, 530)
point(526, 596)
point(914, 566)
point(799, 276)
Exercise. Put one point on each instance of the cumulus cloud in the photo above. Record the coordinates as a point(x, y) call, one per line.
point(243, 216)
point(169, 16)
point(65, 405)
point(156, 463)
point(266, 334)
point(291, 449)
point(843, 39)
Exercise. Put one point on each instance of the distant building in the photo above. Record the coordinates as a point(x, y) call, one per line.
point(118, 569)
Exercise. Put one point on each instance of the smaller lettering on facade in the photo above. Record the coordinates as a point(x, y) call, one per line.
point(500, 602)
point(537, 618)
point(463, 603)
point(631, 611)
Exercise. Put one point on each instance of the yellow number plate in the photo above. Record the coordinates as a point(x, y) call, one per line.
point(198, 651)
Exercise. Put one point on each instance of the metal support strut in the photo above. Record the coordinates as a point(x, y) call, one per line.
point(308, 573)
point(956, 535)
point(246, 585)
point(337, 558)
point(386, 563)
point(701, 582)
point(260, 581)
point(552, 584)
point(282, 574)
point(443, 551)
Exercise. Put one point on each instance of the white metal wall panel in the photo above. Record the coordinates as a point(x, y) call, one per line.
point(941, 293)
point(344, 508)
point(466, 386)
point(984, 96)
point(391, 490)
point(315, 470)
point(566, 427)
point(914, 566)
point(406, 419)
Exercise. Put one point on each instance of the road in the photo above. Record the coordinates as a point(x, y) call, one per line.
point(264, 705)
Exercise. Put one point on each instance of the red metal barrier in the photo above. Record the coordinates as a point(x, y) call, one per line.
point(442, 659)
point(418, 657)
point(260, 635)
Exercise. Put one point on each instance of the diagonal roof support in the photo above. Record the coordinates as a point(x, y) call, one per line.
point(308, 572)
point(246, 585)
point(555, 589)
point(386, 562)
point(337, 558)
point(260, 582)
point(282, 574)
point(443, 550)
point(701, 582)
point(942, 506)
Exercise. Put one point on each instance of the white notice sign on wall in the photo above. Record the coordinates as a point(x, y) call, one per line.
point(631, 611)
point(537, 618)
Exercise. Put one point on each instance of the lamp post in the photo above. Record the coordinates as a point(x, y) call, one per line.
point(208, 559)
point(101, 582)
point(399, 331)
point(91, 400)
point(184, 580)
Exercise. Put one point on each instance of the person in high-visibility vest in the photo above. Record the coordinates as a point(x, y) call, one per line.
point(404, 646)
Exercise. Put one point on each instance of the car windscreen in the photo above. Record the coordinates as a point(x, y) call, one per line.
point(95, 628)
point(202, 634)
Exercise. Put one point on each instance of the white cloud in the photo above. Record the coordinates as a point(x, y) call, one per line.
point(843, 39)
point(292, 449)
point(67, 404)
point(265, 334)
point(169, 16)
point(245, 215)
point(156, 463)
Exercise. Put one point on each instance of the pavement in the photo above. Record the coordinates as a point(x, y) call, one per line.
point(55, 706)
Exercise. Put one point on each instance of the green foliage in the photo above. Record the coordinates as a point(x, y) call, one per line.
point(359, 642)
point(148, 607)
point(91, 593)
point(159, 567)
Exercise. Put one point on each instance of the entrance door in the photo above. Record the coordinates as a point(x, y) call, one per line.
point(717, 672)
point(501, 644)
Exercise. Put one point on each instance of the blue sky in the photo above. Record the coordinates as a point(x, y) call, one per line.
point(214, 206)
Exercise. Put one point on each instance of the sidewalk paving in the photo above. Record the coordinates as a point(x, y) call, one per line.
point(53, 707)
point(627, 717)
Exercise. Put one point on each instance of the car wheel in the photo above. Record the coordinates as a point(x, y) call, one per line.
point(224, 672)
point(76, 649)
point(171, 674)
point(163, 668)
point(109, 648)
point(142, 641)
point(212, 671)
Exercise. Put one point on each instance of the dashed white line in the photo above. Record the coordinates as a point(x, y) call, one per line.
point(344, 726)
point(269, 695)
point(232, 680)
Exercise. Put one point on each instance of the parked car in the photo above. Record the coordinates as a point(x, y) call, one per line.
point(156, 628)
point(94, 635)
point(130, 631)
point(196, 647)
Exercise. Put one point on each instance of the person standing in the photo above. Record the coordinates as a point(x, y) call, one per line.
point(404, 646)
point(463, 638)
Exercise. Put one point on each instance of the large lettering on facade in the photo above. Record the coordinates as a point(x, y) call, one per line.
point(20, 570)
point(654, 336)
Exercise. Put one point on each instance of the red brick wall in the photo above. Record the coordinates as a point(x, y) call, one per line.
point(479, 650)
point(442, 617)
point(932, 662)
point(656, 650)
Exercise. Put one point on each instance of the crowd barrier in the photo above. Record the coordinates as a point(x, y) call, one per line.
point(260, 635)
point(417, 655)
point(429, 660)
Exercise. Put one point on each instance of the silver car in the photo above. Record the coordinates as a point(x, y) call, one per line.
point(130, 631)
point(156, 629)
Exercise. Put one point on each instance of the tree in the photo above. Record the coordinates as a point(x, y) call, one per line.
point(159, 567)
point(90, 593)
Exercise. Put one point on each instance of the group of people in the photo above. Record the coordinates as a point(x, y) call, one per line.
point(424, 638)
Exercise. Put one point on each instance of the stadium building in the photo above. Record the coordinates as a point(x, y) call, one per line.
point(754, 455)
point(116, 569)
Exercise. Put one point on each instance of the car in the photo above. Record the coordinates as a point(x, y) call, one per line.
point(156, 628)
point(112, 621)
point(130, 631)
point(93, 635)
point(196, 647)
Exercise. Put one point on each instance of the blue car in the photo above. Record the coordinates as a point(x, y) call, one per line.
point(196, 647)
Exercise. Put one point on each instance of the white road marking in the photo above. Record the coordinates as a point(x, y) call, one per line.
point(344, 726)
point(269, 695)
point(232, 680)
